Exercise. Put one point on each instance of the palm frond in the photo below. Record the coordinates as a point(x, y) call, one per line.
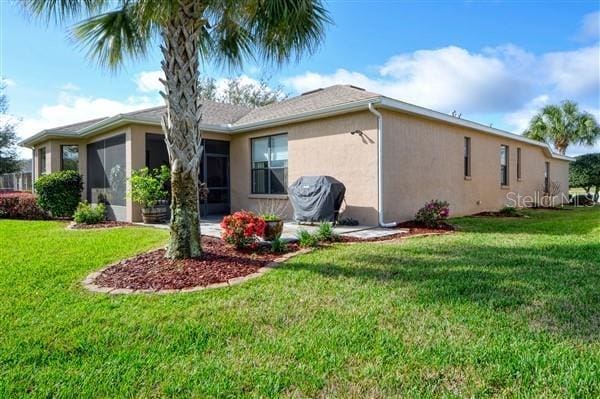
point(60, 10)
point(112, 36)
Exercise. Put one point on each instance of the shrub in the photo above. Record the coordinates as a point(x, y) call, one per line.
point(305, 239)
point(326, 233)
point(59, 193)
point(20, 205)
point(278, 245)
point(242, 228)
point(432, 213)
point(88, 214)
point(148, 186)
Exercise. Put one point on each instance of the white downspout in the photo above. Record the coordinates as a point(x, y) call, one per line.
point(380, 167)
point(32, 168)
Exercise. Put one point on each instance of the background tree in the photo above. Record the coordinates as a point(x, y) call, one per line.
point(9, 158)
point(239, 92)
point(563, 125)
point(585, 173)
point(224, 31)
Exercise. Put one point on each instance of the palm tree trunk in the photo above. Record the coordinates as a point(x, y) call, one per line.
point(181, 34)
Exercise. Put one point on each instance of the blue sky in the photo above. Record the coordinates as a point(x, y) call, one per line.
point(494, 62)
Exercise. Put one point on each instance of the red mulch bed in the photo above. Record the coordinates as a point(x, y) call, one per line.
point(413, 228)
point(102, 225)
point(218, 263)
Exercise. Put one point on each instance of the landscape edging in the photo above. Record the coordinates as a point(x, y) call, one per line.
point(88, 282)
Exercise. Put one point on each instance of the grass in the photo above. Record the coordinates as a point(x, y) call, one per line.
point(506, 307)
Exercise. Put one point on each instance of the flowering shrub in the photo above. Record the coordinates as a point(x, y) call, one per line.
point(20, 205)
point(432, 213)
point(242, 228)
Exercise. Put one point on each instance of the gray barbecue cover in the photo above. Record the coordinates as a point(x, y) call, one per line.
point(316, 198)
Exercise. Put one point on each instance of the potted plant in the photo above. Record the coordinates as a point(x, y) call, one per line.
point(272, 212)
point(148, 190)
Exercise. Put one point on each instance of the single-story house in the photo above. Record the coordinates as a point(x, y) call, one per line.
point(392, 156)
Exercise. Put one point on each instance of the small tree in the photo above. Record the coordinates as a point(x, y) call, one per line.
point(563, 125)
point(585, 173)
point(9, 159)
point(240, 93)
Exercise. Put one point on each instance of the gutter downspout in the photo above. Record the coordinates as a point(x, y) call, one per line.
point(380, 167)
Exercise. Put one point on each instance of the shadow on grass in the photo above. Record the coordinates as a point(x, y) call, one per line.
point(555, 287)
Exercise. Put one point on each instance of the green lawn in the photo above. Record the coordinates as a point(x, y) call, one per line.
point(506, 307)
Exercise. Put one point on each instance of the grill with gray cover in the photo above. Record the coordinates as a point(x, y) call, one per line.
point(316, 198)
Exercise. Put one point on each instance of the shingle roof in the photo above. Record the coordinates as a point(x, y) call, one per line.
point(229, 115)
point(213, 113)
point(74, 127)
point(307, 102)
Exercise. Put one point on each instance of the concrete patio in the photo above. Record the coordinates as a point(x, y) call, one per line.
point(210, 226)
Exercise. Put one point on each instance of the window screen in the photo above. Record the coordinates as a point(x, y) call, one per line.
point(106, 171)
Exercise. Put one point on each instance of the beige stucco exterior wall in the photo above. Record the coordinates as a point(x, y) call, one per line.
point(423, 160)
point(320, 147)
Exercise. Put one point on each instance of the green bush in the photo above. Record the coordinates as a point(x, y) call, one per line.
point(326, 233)
point(88, 214)
point(148, 186)
point(305, 239)
point(278, 245)
point(59, 192)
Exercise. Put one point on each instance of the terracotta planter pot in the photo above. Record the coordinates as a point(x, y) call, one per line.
point(155, 214)
point(273, 230)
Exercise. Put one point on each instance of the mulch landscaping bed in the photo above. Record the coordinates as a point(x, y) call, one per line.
point(413, 228)
point(219, 263)
point(498, 215)
point(101, 225)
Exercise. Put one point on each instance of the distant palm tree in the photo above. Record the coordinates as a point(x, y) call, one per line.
point(563, 125)
point(225, 31)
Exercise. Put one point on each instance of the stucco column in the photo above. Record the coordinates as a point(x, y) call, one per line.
point(135, 158)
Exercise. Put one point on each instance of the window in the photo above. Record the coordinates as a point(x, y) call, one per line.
point(467, 161)
point(42, 161)
point(519, 175)
point(504, 165)
point(69, 157)
point(269, 164)
point(547, 178)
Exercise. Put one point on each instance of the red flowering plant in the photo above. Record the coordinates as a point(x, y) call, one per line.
point(433, 213)
point(242, 229)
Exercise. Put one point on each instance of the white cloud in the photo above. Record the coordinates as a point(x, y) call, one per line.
point(71, 108)
point(148, 81)
point(70, 87)
point(519, 120)
point(497, 79)
point(573, 73)
point(590, 27)
point(449, 78)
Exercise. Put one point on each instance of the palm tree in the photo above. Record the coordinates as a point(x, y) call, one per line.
point(223, 31)
point(563, 125)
